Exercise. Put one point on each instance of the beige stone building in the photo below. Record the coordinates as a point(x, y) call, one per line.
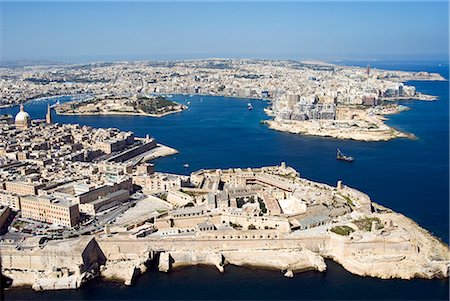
point(179, 198)
point(157, 182)
point(22, 188)
point(50, 210)
point(248, 221)
point(106, 202)
point(111, 146)
point(9, 199)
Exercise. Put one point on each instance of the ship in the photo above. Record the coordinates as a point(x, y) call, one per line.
point(249, 106)
point(342, 157)
point(186, 165)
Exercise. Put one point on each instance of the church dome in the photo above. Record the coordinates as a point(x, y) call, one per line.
point(22, 119)
point(22, 116)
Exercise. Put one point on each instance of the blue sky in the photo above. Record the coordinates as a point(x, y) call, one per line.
point(83, 30)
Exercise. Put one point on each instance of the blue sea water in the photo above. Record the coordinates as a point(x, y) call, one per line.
point(409, 176)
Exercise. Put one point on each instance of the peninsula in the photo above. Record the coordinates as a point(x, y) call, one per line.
point(310, 98)
point(78, 203)
point(353, 123)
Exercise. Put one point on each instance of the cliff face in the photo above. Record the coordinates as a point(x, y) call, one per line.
point(176, 259)
point(124, 271)
point(284, 260)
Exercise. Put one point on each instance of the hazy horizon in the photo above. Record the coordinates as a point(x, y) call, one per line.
point(76, 32)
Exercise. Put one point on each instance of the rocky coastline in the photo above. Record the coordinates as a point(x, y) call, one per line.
point(401, 249)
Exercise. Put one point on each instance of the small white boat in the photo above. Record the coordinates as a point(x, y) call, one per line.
point(55, 104)
point(249, 106)
point(186, 165)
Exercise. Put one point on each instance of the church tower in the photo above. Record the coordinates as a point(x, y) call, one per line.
point(48, 116)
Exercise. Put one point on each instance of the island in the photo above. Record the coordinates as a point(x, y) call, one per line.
point(305, 97)
point(79, 203)
point(154, 106)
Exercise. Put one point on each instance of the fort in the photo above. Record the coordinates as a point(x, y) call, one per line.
point(381, 243)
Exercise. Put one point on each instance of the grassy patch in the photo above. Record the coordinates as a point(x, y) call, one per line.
point(236, 226)
point(240, 202)
point(342, 230)
point(252, 227)
point(365, 224)
point(262, 205)
point(154, 105)
point(19, 224)
point(349, 201)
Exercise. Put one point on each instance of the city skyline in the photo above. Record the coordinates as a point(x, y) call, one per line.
point(89, 31)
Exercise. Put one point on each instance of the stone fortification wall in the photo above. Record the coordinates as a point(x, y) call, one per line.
point(250, 240)
point(78, 256)
point(134, 151)
point(53, 266)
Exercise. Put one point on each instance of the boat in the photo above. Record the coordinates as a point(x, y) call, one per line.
point(342, 157)
point(249, 106)
point(55, 104)
point(186, 165)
